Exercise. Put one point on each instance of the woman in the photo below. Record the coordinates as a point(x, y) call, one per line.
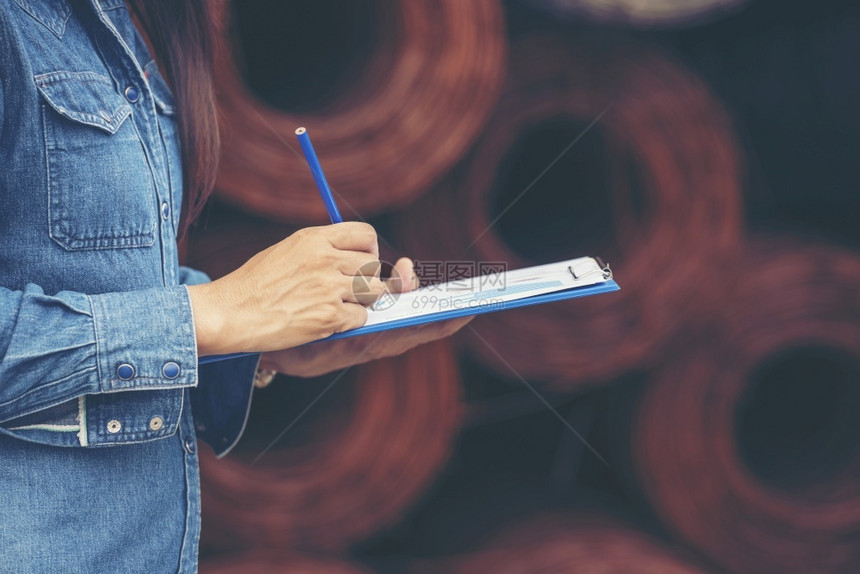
point(100, 328)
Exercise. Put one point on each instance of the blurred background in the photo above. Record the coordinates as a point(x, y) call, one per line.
point(704, 419)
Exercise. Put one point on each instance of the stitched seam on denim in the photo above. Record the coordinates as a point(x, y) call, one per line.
point(138, 378)
point(83, 433)
point(60, 23)
point(143, 432)
point(117, 6)
point(187, 308)
point(98, 343)
point(174, 221)
point(165, 431)
point(111, 242)
point(133, 426)
point(150, 388)
point(130, 54)
point(98, 121)
point(50, 78)
point(109, 442)
point(47, 427)
point(167, 112)
point(126, 48)
point(46, 386)
point(63, 235)
point(153, 182)
point(142, 76)
point(186, 527)
point(83, 117)
point(49, 143)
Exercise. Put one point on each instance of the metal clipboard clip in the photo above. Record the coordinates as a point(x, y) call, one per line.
point(603, 270)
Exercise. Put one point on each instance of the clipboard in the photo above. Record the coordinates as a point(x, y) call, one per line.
point(487, 293)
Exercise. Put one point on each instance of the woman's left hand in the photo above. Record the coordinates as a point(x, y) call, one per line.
point(319, 358)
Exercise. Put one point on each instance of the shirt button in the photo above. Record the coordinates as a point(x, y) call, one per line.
point(125, 371)
point(114, 426)
point(170, 370)
point(165, 210)
point(132, 94)
point(189, 446)
point(156, 423)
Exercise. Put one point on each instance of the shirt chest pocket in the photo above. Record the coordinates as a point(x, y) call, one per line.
point(101, 193)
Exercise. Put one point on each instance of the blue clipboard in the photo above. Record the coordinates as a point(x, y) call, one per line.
point(607, 286)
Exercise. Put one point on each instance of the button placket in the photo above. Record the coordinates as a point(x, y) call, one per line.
point(132, 94)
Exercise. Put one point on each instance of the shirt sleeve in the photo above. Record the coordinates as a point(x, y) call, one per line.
point(222, 400)
point(56, 348)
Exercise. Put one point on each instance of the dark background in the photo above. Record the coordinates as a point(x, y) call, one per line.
point(787, 73)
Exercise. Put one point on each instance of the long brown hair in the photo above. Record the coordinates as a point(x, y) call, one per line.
point(181, 34)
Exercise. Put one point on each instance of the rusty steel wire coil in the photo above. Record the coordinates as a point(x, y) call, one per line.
point(367, 456)
point(645, 13)
point(670, 187)
point(432, 78)
point(550, 544)
point(277, 563)
point(746, 443)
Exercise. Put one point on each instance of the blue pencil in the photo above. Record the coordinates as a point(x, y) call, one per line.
point(319, 176)
point(330, 206)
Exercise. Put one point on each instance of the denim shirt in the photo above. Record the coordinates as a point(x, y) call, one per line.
point(98, 360)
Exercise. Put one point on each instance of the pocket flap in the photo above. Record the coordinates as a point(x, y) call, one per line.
point(84, 97)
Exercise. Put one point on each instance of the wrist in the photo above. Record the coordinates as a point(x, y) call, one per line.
point(209, 322)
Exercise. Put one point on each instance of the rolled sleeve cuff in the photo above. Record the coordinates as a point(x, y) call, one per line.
point(145, 340)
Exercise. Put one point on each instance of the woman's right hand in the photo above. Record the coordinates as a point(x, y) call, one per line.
point(296, 291)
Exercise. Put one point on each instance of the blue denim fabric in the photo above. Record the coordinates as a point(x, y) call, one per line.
point(97, 344)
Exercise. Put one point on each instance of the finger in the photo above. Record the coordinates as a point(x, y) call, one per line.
point(403, 276)
point(353, 236)
point(354, 316)
point(355, 263)
point(365, 290)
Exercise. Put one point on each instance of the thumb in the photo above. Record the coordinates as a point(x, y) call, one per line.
point(403, 276)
